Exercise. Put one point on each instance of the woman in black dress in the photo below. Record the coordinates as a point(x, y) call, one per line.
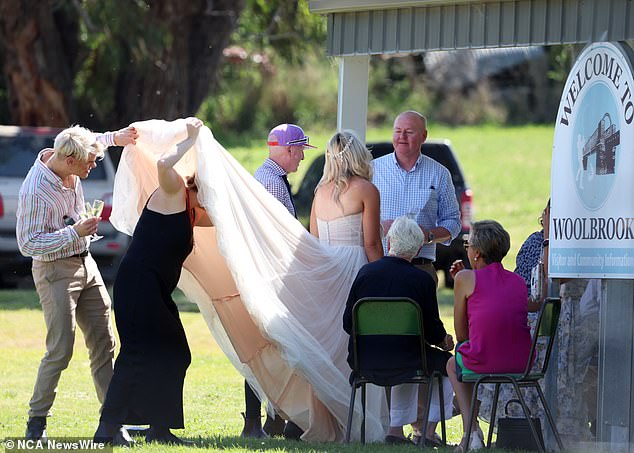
point(147, 385)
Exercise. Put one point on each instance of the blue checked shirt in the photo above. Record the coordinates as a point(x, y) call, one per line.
point(270, 176)
point(426, 193)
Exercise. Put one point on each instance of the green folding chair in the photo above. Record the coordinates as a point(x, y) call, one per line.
point(390, 316)
point(545, 329)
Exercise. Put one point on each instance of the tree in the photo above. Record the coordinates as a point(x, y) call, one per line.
point(262, 85)
point(106, 64)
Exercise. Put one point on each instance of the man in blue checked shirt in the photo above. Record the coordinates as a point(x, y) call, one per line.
point(286, 144)
point(417, 186)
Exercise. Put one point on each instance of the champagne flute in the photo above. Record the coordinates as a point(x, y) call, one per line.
point(97, 208)
point(88, 211)
point(93, 210)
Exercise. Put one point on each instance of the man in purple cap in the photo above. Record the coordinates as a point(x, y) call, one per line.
point(286, 150)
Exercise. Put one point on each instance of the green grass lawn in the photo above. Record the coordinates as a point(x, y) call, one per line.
point(213, 389)
point(508, 169)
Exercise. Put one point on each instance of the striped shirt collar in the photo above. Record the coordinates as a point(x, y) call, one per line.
point(47, 173)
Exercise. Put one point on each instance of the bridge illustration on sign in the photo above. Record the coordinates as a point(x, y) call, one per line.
point(602, 146)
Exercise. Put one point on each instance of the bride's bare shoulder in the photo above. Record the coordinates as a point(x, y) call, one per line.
point(362, 184)
point(359, 181)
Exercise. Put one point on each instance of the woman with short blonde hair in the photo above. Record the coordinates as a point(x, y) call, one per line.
point(490, 317)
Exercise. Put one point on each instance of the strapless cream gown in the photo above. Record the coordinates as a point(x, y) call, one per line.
point(272, 294)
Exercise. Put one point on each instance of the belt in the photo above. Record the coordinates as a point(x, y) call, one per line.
point(80, 255)
point(419, 260)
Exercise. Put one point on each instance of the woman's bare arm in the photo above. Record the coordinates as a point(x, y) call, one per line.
point(314, 230)
point(372, 223)
point(464, 283)
point(169, 180)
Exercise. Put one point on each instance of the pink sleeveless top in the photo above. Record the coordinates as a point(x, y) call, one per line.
point(499, 336)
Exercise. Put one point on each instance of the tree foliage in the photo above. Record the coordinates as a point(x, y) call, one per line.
point(105, 63)
point(276, 53)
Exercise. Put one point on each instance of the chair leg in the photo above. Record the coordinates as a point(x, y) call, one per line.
point(528, 417)
point(351, 411)
point(430, 389)
point(363, 406)
point(549, 415)
point(441, 398)
point(474, 399)
point(493, 418)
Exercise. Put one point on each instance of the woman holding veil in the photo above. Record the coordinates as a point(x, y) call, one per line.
point(272, 294)
point(147, 385)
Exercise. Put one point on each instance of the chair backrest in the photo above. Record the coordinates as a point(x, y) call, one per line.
point(389, 316)
point(546, 328)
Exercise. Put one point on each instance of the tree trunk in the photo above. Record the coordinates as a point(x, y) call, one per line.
point(38, 77)
point(165, 70)
point(177, 80)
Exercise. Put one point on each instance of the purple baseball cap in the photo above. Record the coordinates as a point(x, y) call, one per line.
point(288, 135)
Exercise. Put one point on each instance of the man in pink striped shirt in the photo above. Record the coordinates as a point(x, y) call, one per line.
point(68, 282)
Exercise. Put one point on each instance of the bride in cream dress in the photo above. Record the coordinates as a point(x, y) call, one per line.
point(346, 209)
point(272, 294)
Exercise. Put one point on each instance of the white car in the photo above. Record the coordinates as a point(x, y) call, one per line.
point(19, 147)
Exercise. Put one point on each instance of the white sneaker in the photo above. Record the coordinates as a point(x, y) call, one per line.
point(476, 442)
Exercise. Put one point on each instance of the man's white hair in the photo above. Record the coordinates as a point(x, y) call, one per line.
point(77, 142)
point(405, 238)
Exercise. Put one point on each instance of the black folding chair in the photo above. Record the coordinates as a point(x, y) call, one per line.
point(390, 316)
point(546, 329)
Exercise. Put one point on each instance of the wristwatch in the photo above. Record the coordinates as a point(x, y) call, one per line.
point(545, 243)
point(430, 237)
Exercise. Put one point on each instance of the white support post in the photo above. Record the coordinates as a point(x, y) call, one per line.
point(352, 108)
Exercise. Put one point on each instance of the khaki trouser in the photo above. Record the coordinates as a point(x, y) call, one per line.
point(72, 292)
point(430, 269)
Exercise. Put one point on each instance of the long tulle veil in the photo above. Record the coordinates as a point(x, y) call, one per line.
point(272, 295)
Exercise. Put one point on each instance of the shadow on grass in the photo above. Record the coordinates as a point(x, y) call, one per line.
point(277, 444)
point(19, 299)
point(27, 299)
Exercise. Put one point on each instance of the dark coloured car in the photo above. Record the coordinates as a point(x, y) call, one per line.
point(439, 150)
point(19, 147)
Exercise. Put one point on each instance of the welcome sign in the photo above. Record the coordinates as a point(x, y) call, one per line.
point(592, 179)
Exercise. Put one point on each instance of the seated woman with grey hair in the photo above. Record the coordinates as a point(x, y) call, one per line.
point(490, 317)
point(395, 276)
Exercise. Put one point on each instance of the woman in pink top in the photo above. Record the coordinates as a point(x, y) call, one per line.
point(490, 316)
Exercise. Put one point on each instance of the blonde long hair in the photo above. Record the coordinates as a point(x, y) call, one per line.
point(346, 157)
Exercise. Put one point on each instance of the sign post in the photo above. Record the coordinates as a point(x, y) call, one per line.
point(592, 217)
